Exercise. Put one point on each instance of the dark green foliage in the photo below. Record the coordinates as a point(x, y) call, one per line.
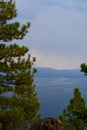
point(16, 73)
point(84, 68)
point(75, 115)
point(10, 31)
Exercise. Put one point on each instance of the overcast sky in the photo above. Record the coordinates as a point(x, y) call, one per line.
point(58, 33)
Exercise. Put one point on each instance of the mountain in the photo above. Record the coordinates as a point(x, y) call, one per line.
point(49, 72)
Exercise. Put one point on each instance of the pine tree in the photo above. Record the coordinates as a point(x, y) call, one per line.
point(73, 117)
point(18, 99)
point(84, 68)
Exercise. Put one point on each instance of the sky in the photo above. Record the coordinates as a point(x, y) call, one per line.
point(58, 33)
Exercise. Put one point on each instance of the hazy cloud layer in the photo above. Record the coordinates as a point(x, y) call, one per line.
point(58, 33)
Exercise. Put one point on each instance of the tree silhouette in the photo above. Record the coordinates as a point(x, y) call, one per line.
point(84, 68)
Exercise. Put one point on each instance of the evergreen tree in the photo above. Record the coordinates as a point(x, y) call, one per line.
point(84, 68)
point(18, 99)
point(73, 116)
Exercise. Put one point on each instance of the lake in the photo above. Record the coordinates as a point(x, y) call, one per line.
point(54, 93)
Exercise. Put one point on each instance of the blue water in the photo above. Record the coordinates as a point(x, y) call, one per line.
point(54, 93)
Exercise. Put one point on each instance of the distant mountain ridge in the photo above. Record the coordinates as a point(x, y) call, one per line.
point(49, 72)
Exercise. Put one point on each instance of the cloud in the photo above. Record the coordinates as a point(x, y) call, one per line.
point(59, 30)
point(52, 60)
point(31, 9)
point(58, 33)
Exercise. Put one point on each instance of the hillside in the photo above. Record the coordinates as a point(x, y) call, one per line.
point(49, 72)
